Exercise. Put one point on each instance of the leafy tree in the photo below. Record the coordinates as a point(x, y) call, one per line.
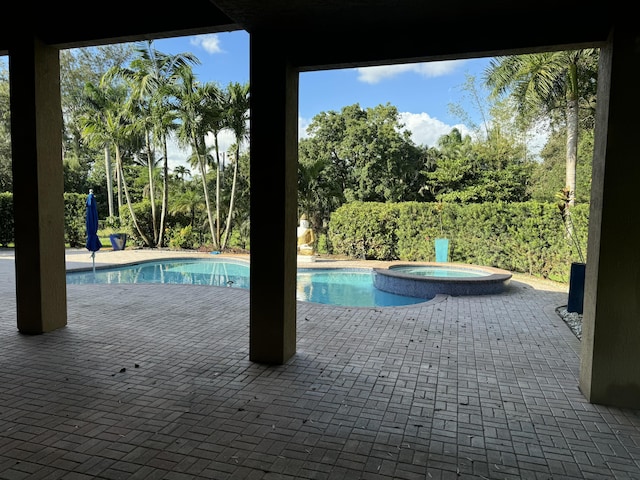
point(488, 170)
point(318, 195)
point(473, 95)
point(79, 66)
point(385, 164)
point(453, 168)
point(357, 155)
point(323, 173)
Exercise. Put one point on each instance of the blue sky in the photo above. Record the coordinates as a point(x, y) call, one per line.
point(421, 92)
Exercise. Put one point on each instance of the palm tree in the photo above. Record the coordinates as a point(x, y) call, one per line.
point(192, 98)
point(454, 167)
point(214, 121)
point(238, 122)
point(311, 194)
point(134, 218)
point(180, 172)
point(545, 82)
point(189, 202)
point(151, 76)
point(112, 127)
point(97, 104)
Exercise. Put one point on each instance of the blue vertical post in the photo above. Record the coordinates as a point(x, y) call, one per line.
point(442, 249)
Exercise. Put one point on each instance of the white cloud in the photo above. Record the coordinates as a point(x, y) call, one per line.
point(426, 130)
point(430, 69)
point(177, 156)
point(303, 123)
point(226, 138)
point(210, 43)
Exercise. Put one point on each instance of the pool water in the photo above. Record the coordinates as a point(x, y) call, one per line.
point(428, 271)
point(342, 287)
point(182, 272)
point(346, 287)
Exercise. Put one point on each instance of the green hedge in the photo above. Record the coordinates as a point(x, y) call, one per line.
point(527, 237)
point(7, 233)
point(75, 225)
point(74, 219)
point(365, 230)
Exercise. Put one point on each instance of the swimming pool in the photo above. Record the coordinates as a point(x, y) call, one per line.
point(348, 287)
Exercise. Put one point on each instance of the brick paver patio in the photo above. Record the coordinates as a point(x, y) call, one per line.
point(154, 382)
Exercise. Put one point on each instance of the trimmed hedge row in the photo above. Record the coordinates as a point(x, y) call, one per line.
point(7, 233)
point(528, 237)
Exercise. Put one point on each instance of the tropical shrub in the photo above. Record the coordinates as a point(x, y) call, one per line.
point(183, 238)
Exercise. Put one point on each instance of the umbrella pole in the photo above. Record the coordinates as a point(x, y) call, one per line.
point(93, 258)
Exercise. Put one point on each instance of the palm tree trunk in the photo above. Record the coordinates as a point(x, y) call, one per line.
point(152, 195)
point(109, 174)
point(165, 192)
point(571, 162)
point(572, 148)
point(126, 192)
point(217, 193)
point(119, 184)
point(227, 227)
point(203, 174)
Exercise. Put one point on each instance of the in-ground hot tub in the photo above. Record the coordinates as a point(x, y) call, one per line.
point(429, 280)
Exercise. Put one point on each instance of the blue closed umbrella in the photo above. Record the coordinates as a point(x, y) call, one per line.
point(93, 242)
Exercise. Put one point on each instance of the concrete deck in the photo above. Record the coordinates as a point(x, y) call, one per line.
point(154, 382)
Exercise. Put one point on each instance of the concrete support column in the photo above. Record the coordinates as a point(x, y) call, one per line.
point(274, 157)
point(610, 357)
point(38, 185)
